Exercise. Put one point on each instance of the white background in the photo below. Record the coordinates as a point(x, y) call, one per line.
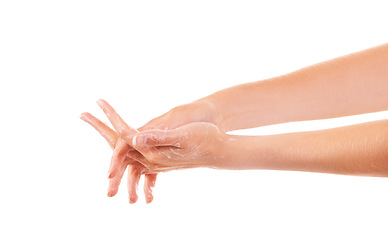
point(145, 57)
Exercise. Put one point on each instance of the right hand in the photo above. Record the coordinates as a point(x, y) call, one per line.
point(198, 144)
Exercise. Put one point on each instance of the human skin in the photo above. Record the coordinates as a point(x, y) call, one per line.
point(353, 84)
point(348, 85)
point(360, 149)
point(122, 161)
point(125, 156)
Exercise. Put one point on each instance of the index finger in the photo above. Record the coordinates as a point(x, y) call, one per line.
point(109, 135)
point(123, 130)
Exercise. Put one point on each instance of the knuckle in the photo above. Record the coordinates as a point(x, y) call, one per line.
point(121, 132)
point(175, 111)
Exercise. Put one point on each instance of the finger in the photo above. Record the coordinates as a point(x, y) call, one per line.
point(123, 130)
point(119, 153)
point(114, 182)
point(137, 156)
point(133, 180)
point(109, 135)
point(153, 138)
point(149, 184)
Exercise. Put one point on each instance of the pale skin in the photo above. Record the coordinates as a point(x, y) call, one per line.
point(194, 135)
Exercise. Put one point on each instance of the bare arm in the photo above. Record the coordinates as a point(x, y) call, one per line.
point(353, 84)
point(360, 149)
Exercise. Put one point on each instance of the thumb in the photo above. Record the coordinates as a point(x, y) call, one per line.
point(156, 137)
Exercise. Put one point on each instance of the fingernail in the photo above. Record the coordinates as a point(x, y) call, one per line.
point(109, 194)
point(134, 141)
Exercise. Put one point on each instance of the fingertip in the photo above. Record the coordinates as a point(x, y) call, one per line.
point(84, 116)
point(112, 190)
point(102, 104)
point(100, 101)
point(149, 198)
point(132, 199)
point(113, 187)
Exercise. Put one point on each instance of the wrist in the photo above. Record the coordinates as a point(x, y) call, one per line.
point(235, 153)
point(208, 111)
point(250, 152)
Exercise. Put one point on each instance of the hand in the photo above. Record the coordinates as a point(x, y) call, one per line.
point(191, 145)
point(201, 110)
point(121, 160)
point(124, 156)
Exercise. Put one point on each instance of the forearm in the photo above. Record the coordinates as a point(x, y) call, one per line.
point(360, 149)
point(349, 85)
